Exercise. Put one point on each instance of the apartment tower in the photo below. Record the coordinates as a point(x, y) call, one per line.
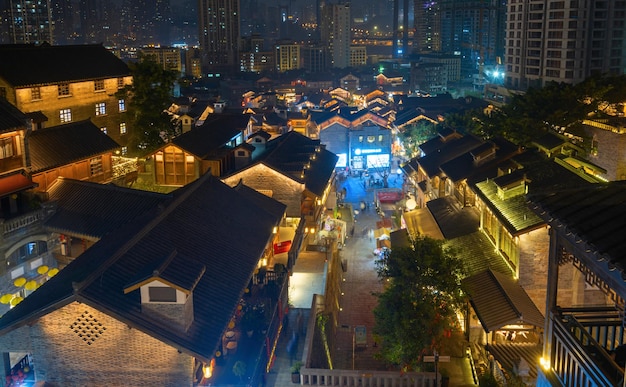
point(563, 40)
point(218, 24)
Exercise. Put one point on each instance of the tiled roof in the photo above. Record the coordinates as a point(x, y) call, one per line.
point(30, 65)
point(93, 210)
point(67, 143)
point(595, 214)
point(450, 149)
point(290, 153)
point(499, 300)
point(464, 167)
point(478, 254)
point(11, 118)
point(550, 140)
point(453, 220)
point(216, 131)
point(205, 222)
point(543, 175)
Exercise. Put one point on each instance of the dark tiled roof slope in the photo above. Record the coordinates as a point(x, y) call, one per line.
point(93, 210)
point(499, 300)
point(10, 117)
point(463, 167)
point(216, 131)
point(595, 214)
point(207, 222)
point(30, 65)
point(289, 154)
point(67, 143)
point(451, 149)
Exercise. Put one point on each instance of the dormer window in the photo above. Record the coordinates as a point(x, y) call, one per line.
point(161, 294)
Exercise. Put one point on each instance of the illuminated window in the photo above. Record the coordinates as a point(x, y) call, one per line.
point(35, 93)
point(104, 130)
point(123, 128)
point(95, 166)
point(120, 83)
point(101, 109)
point(124, 150)
point(63, 89)
point(6, 147)
point(65, 115)
point(98, 85)
point(121, 104)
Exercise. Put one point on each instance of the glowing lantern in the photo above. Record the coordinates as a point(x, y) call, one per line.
point(19, 282)
point(43, 269)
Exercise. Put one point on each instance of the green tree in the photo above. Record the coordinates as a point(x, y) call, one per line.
point(148, 98)
point(416, 134)
point(420, 301)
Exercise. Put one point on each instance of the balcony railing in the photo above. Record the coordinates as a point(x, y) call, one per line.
point(15, 224)
point(326, 377)
point(577, 358)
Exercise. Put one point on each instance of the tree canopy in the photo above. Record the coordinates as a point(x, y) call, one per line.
point(148, 98)
point(557, 106)
point(421, 299)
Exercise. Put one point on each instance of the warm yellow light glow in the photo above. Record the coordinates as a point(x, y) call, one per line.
point(275, 230)
point(312, 231)
point(319, 202)
point(207, 371)
point(545, 363)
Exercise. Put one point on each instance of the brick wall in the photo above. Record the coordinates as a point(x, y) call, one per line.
point(119, 356)
point(611, 152)
point(284, 189)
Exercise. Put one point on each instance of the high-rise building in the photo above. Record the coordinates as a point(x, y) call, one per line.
point(288, 56)
point(218, 24)
point(401, 28)
point(63, 17)
point(29, 21)
point(335, 29)
point(427, 26)
point(563, 41)
point(472, 29)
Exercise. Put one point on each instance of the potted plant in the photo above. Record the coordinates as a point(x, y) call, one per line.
point(295, 372)
point(253, 318)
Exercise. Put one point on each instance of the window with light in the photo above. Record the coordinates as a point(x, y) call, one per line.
point(65, 115)
point(101, 109)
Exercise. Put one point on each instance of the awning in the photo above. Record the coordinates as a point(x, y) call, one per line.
point(382, 233)
point(499, 300)
point(15, 183)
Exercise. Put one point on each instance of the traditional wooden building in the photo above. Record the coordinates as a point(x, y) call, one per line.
point(79, 83)
point(217, 146)
point(78, 150)
point(153, 300)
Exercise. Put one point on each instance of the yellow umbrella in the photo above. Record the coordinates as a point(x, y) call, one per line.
point(42, 269)
point(53, 272)
point(31, 285)
point(19, 281)
point(16, 300)
point(6, 298)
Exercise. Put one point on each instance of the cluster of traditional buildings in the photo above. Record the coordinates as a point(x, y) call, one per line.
point(161, 281)
point(536, 229)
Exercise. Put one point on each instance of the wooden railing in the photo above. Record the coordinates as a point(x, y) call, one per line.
point(325, 377)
